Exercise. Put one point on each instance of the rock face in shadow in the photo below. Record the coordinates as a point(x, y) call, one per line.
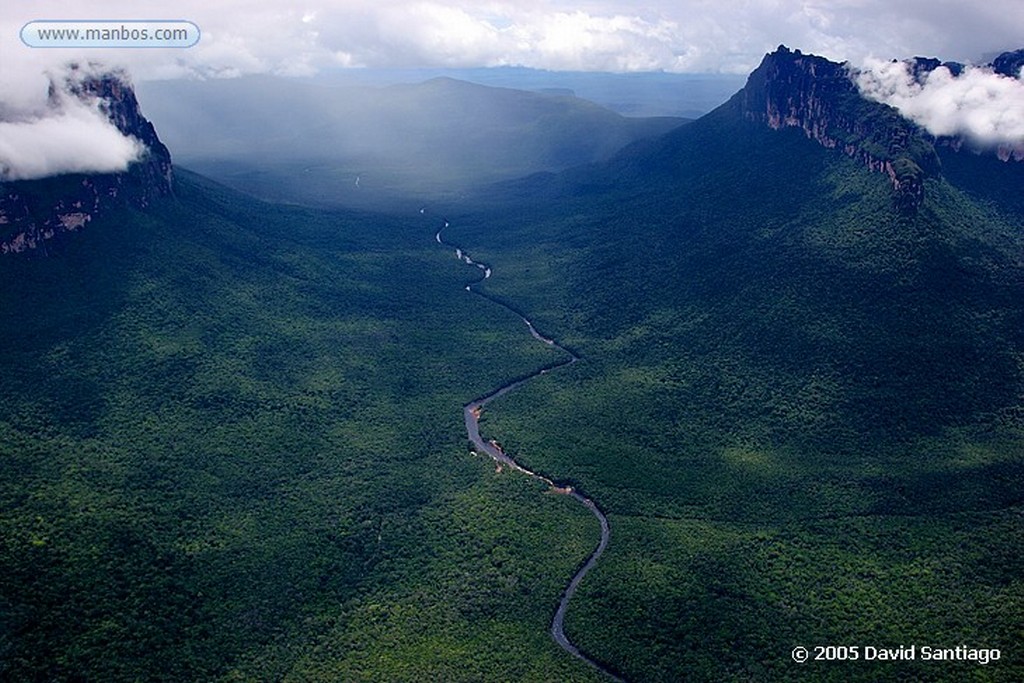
point(1009, 63)
point(35, 213)
point(791, 89)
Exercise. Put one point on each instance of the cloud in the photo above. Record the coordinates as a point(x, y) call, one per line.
point(983, 106)
point(258, 37)
point(255, 36)
point(397, 34)
point(69, 136)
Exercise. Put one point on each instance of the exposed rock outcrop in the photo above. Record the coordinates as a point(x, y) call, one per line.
point(791, 89)
point(33, 212)
point(1009, 63)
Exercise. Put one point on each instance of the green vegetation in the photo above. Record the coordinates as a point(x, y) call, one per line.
point(801, 409)
point(233, 449)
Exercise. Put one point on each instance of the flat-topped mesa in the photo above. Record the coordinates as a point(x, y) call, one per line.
point(791, 89)
point(35, 211)
point(116, 96)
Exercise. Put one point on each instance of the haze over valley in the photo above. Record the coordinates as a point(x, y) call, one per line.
point(534, 342)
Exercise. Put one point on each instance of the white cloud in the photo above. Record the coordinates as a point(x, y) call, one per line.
point(255, 36)
point(581, 41)
point(979, 104)
point(401, 34)
point(72, 136)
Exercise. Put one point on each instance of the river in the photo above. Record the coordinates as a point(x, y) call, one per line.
point(471, 412)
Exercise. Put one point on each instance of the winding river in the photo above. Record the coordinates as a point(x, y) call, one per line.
point(471, 412)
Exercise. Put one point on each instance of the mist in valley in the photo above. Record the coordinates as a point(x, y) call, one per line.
point(369, 136)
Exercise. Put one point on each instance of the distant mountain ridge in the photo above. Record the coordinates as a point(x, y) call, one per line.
point(819, 98)
point(792, 89)
point(33, 212)
point(293, 140)
point(443, 119)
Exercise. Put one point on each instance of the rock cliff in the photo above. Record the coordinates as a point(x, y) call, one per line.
point(791, 89)
point(33, 213)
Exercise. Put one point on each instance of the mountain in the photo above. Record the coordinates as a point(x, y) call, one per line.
point(820, 98)
point(234, 447)
point(1009, 63)
point(800, 325)
point(688, 95)
point(295, 140)
point(33, 212)
point(790, 89)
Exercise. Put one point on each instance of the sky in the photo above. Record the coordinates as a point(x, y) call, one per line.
point(261, 36)
point(305, 37)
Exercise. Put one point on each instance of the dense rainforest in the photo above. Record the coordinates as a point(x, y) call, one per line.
point(233, 441)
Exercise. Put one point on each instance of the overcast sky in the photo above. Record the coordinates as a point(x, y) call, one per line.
point(303, 37)
point(300, 37)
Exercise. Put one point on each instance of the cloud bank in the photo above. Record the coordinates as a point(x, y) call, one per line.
point(255, 36)
point(68, 136)
point(394, 34)
point(985, 107)
point(692, 36)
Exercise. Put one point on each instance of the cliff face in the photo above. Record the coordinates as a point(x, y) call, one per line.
point(791, 89)
point(33, 212)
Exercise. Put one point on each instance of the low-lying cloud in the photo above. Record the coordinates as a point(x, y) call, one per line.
point(983, 106)
point(256, 37)
point(70, 135)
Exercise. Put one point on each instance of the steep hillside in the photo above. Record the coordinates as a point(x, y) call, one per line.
point(33, 212)
point(801, 393)
point(233, 449)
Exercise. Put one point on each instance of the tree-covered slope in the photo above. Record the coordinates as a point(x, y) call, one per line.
point(232, 446)
point(799, 401)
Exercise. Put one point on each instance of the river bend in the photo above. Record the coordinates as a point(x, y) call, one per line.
point(471, 412)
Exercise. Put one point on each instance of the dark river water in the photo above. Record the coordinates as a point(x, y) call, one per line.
point(471, 412)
